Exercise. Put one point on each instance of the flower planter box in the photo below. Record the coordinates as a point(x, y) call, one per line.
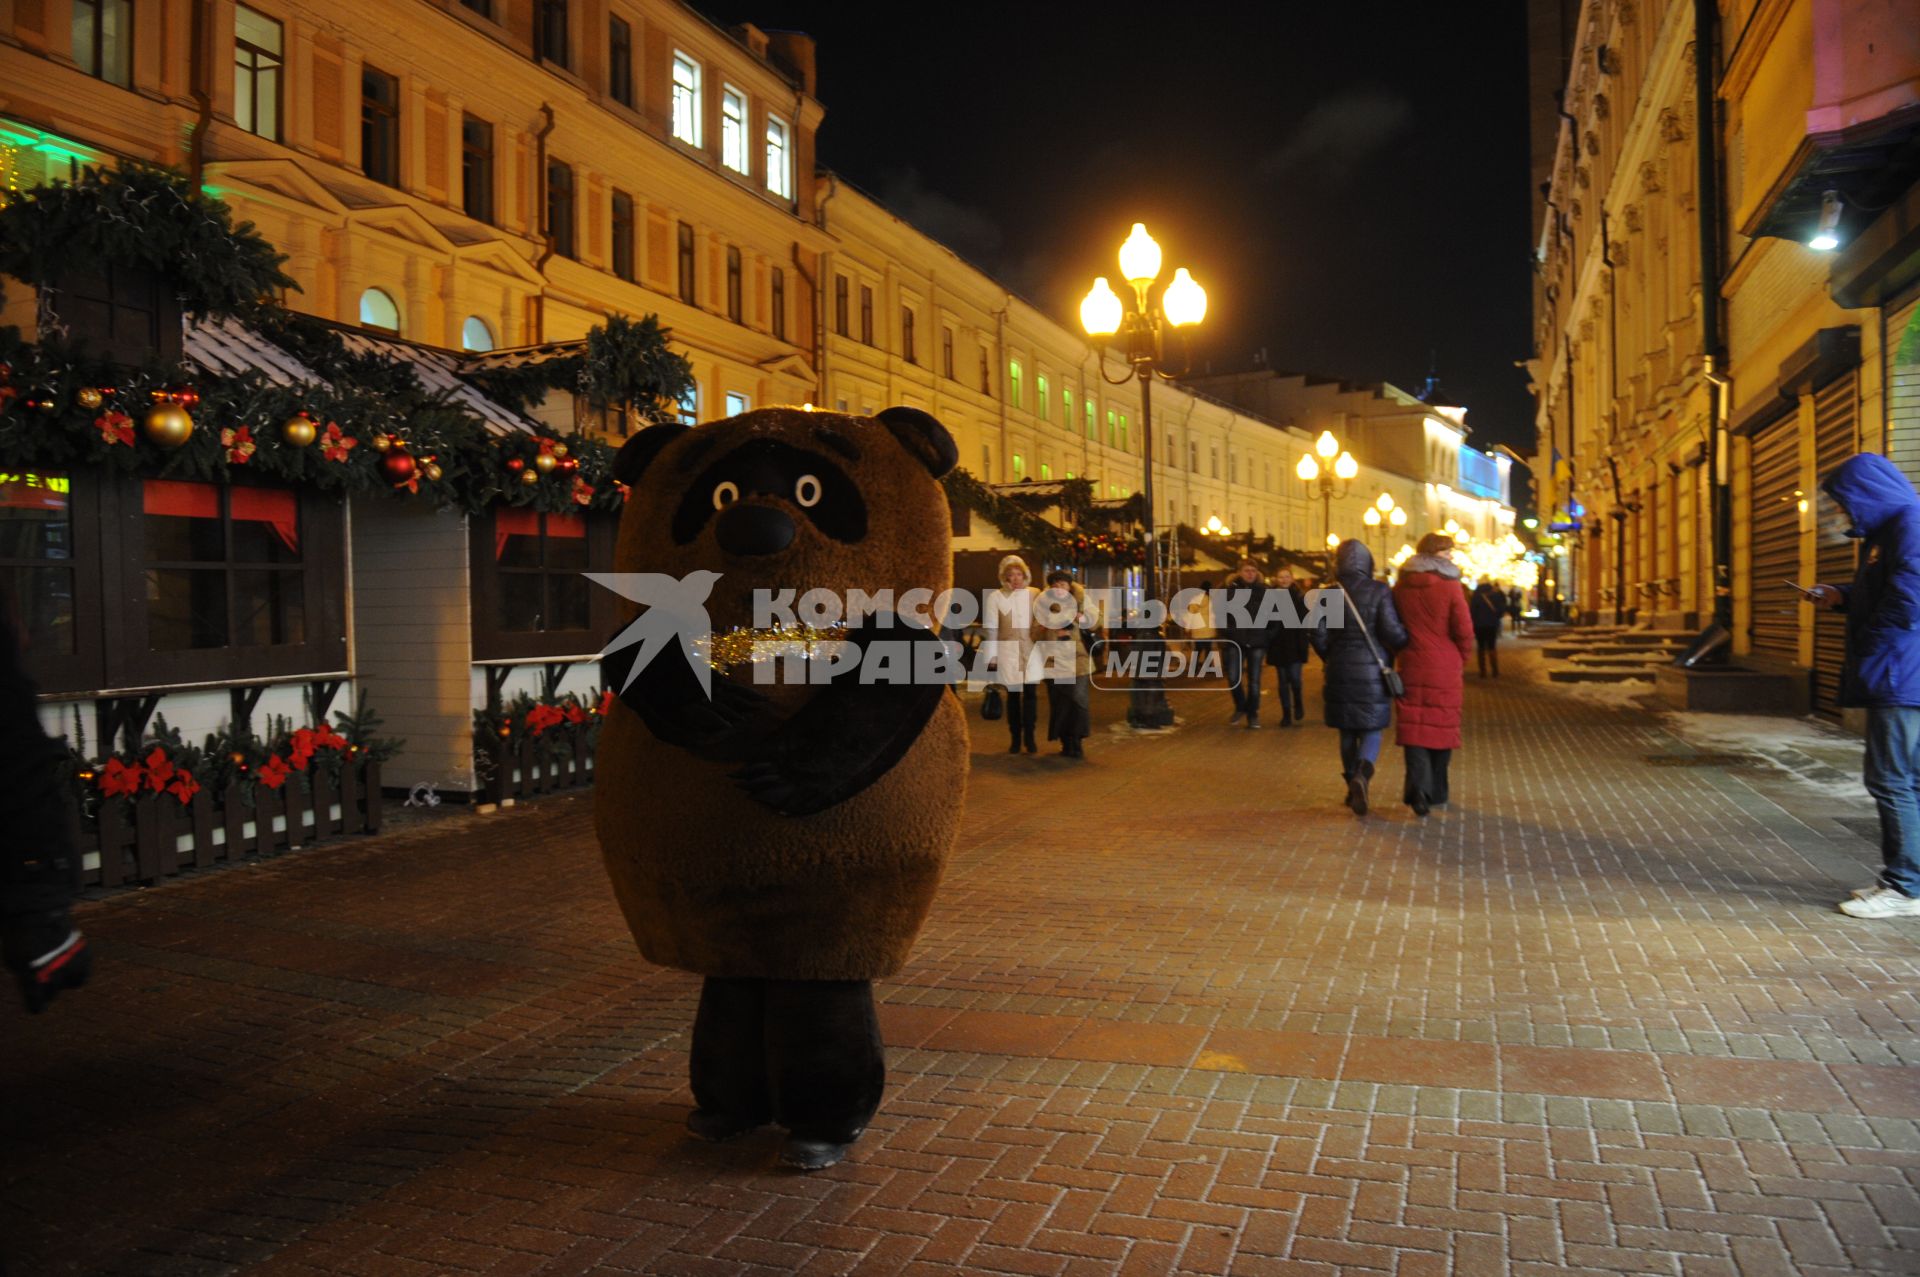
point(531, 769)
point(154, 836)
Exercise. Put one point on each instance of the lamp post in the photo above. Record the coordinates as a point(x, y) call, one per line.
point(1142, 329)
point(1335, 464)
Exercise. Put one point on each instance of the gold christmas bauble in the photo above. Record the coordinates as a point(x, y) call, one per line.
point(298, 430)
point(544, 462)
point(529, 477)
point(169, 425)
point(433, 473)
point(560, 450)
point(89, 398)
point(382, 442)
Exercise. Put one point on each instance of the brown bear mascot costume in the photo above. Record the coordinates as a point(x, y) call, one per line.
point(784, 840)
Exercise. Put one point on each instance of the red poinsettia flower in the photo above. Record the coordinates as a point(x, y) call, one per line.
point(117, 779)
point(541, 717)
point(115, 427)
point(324, 737)
point(606, 701)
point(575, 714)
point(300, 752)
point(184, 787)
point(238, 443)
point(582, 492)
point(159, 769)
point(335, 445)
point(273, 773)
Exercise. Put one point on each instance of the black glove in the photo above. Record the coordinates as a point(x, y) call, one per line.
point(46, 954)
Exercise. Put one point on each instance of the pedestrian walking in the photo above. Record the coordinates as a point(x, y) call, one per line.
point(1287, 652)
point(1068, 647)
point(1516, 606)
point(38, 940)
point(1487, 609)
point(1008, 619)
point(1881, 669)
point(1243, 640)
point(1358, 703)
point(1433, 666)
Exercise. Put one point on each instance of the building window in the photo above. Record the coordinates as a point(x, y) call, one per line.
point(733, 128)
point(779, 158)
point(1126, 442)
point(906, 335)
point(1040, 404)
point(1113, 429)
point(377, 310)
point(380, 126)
point(687, 293)
point(623, 233)
point(44, 585)
point(1013, 382)
point(1019, 467)
point(475, 335)
point(734, 307)
point(866, 315)
point(737, 404)
point(946, 353)
point(620, 61)
point(550, 31)
point(690, 406)
point(779, 303)
point(476, 168)
point(1066, 409)
point(1213, 461)
point(482, 7)
point(1046, 471)
point(840, 304)
point(103, 39)
point(560, 207)
point(258, 56)
point(1092, 429)
point(1193, 455)
point(686, 99)
point(986, 462)
point(530, 595)
point(986, 372)
point(121, 313)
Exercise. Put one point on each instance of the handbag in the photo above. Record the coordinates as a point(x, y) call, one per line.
point(1396, 686)
point(990, 706)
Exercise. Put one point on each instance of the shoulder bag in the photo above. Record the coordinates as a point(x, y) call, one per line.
point(1396, 686)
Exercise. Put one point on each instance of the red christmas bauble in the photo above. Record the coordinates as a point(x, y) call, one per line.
point(398, 466)
point(516, 464)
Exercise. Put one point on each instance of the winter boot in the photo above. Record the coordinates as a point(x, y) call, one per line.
point(1013, 730)
point(1032, 748)
point(728, 1060)
point(826, 1066)
point(1493, 659)
point(1357, 788)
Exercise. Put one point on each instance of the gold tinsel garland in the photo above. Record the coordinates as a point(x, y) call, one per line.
point(748, 646)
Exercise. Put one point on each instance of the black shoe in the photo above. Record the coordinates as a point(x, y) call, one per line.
point(1014, 747)
point(1419, 805)
point(813, 1155)
point(46, 954)
point(718, 1128)
point(1031, 747)
point(1253, 724)
point(1350, 783)
point(1236, 717)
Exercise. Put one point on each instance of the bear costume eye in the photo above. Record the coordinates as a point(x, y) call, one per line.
point(725, 494)
point(807, 490)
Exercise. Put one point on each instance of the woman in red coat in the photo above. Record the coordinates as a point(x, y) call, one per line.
point(1433, 607)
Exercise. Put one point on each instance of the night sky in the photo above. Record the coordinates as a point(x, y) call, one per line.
point(1348, 180)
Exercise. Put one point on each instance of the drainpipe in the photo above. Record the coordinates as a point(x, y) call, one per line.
point(1707, 151)
point(1000, 371)
point(819, 348)
point(540, 213)
point(202, 94)
point(1619, 511)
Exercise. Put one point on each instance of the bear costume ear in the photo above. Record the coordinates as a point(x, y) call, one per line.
point(637, 453)
point(923, 436)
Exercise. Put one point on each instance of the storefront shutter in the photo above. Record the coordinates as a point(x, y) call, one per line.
point(1776, 540)
point(1836, 436)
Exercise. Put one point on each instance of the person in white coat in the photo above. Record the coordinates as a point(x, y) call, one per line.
point(1008, 620)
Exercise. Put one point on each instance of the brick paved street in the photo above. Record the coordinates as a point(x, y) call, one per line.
point(1176, 1011)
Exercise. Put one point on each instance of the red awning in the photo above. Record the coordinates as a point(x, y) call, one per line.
point(509, 521)
point(187, 499)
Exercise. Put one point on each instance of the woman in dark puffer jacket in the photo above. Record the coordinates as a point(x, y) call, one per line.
point(1356, 694)
point(1431, 604)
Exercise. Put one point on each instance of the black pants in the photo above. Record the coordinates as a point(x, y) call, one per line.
point(803, 1053)
point(1243, 666)
point(1292, 706)
point(1486, 648)
point(1023, 711)
point(1427, 774)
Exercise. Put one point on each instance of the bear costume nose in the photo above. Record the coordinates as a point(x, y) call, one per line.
point(753, 529)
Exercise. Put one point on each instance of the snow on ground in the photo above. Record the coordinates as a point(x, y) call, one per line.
point(1811, 750)
point(1615, 695)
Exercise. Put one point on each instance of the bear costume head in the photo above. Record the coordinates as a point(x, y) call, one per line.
point(789, 498)
point(809, 843)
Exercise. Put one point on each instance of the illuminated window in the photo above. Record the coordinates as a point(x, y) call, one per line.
point(1046, 471)
point(258, 57)
point(1092, 429)
point(1126, 441)
point(690, 406)
point(1019, 467)
point(377, 310)
point(686, 99)
point(779, 158)
point(1041, 401)
point(475, 335)
point(103, 39)
point(733, 128)
point(1013, 382)
point(1066, 409)
point(737, 404)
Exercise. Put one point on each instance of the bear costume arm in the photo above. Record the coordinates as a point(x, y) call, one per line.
point(669, 700)
point(849, 733)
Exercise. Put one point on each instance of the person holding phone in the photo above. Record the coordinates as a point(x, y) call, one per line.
point(1881, 669)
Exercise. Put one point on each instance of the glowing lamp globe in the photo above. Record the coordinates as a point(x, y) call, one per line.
point(1184, 302)
point(1326, 445)
point(1371, 518)
point(1385, 503)
point(1140, 257)
point(1307, 469)
point(1333, 540)
point(1398, 516)
point(1100, 313)
point(1346, 467)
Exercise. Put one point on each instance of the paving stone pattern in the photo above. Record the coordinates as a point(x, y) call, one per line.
point(1176, 1011)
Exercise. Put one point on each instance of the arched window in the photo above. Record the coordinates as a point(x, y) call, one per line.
point(475, 335)
point(377, 310)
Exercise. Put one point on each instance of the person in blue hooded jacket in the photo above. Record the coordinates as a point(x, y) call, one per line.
point(1881, 672)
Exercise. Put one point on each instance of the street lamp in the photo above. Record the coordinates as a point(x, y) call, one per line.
point(1142, 327)
point(1321, 478)
point(1217, 527)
